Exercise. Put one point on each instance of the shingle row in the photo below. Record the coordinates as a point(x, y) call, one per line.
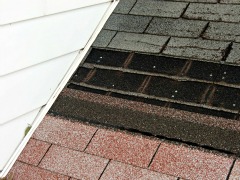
point(167, 79)
point(185, 28)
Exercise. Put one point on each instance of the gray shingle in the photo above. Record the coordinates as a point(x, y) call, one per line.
point(176, 27)
point(223, 31)
point(234, 56)
point(215, 12)
point(196, 48)
point(158, 8)
point(127, 23)
point(124, 6)
point(206, 1)
point(230, 1)
point(104, 38)
point(138, 42)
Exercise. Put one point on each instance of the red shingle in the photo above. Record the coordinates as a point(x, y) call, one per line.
point(65, 133)
point(190, 163)
point(121, 171)
point(21, 171)
point(34, 151)
point(235, 174)
point(73, 163)
point(123, 147)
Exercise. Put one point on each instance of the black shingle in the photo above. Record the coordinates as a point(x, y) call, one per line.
point(80, 74)
point(172, 89)
point(229, 74)
point(226, 97)
point(203, 70)
point(157, 64)
point(107, 57)
point(117, 80)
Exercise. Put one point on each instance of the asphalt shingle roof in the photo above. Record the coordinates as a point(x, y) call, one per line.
point(163, 70)
point(175, 55)
point(209, 26)
point(62, 149)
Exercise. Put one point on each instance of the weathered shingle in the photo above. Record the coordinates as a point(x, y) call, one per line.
point(124, 6)
point(215, 12)
point(205, 1)
point(176, 27)
point(234, 56)
point(196, 48)
point(230, 1)
point(104, 38)
point(127, 23)
point(158, 8)
point(223, 31)
point(138, 42)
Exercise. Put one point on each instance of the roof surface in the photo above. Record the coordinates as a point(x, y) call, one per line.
point(69, 150)
point(178, 60)
point(195, 29)
point(189, 48)
point(165, 70)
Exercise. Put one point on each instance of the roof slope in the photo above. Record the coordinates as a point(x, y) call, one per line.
point(195, 29)
point(170, 59)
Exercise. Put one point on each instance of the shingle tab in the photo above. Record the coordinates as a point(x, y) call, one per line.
point(223, 31)
point(234, 56)
point(215, 12)
point(176, 27)
point(235, 174)
point(116, 80)
point(34, 152)
point(203, 70)
point(126, 171)
point(225, 97)
point(157, 64)
point(124, 6)
point(64, 133)
point(158, 8)
point(196, 48)
point(229, 74)
point(138, 42)
point(107, 57)
point(230, 1)
point(176, 90)
point(127, 23)
point(190, 163)
point(80, 74)
point(205, 1)
point(22, 171)
point(104, 38)
point(73, 163)
point(123, 147)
